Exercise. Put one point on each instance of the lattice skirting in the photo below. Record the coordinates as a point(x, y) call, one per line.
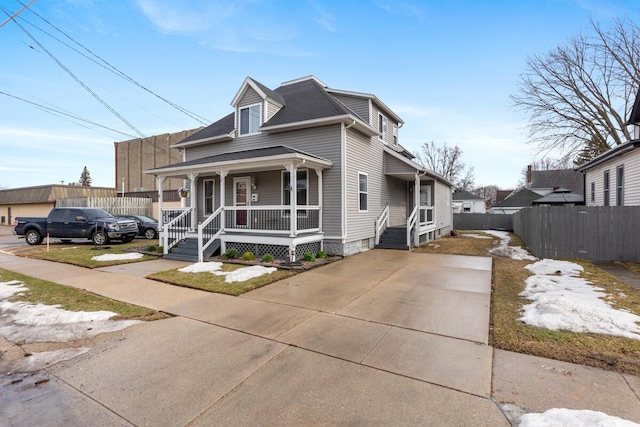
point(279, 252)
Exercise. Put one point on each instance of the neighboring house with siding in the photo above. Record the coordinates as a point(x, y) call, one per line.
point(299, 169)
point(613, 178)
point(465, 202)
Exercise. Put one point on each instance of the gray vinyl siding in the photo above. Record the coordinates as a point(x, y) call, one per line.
point(360, 106)
point(444, 213)
point(320, 141)
point(249, 97)
point(390, 123)
point(272, 109)
point(631, 186)
point(393, 165)
point(364, 155)
point(397, 195)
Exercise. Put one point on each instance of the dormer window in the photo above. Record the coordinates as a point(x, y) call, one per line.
point(250, 119)
point(382, 127)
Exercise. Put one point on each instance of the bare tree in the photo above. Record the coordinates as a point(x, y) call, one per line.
point(447, 161)
point(488, 193)
point(581, 93)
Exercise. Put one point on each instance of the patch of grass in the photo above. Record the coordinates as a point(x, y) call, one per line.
point(81, 254)
point(508, 333)
point(214, 283)
point(73, 299)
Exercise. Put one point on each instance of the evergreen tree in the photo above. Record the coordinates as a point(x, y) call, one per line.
point(85, 178)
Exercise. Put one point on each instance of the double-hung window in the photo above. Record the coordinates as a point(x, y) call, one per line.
point(363, 192)
point(208, 196)
point(605, 178)
point(301, 193)
point(620, 185)
point(382, 127)
point(250, 119)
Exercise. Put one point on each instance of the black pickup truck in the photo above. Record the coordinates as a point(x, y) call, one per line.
point(94, 224)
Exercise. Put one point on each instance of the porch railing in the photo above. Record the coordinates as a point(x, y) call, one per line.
point(177, 223)
point(382, 223)
point(411, 224)
point(208, 231)
point(271, 219)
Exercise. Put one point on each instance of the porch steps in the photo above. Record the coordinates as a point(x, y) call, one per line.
point(393, 238)
point(187, 250)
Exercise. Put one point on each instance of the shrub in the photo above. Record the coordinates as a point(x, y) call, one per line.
point(322, 255)
point(150, 248)
point(309, 256)
point(231, 253)
point(267, 258)
point(248, 256)
point(160, 249)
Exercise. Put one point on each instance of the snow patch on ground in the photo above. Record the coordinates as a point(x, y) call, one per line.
point(22, 321)
point(239, 275)
point(559, 417)
point(561, 300)
point(475, 236)
point(504, 250)
point(246, 273)
point(117, 257)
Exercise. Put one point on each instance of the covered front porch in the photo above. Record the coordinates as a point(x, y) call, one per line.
point(245, 201)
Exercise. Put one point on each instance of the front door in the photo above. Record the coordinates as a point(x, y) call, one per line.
point(241, 197)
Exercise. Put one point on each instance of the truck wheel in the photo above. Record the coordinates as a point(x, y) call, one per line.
point(150, 233)
point(100, 238)
point(33, 237)
point(128, 239)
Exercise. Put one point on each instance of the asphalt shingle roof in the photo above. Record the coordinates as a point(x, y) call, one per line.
point(224, 126)
point(567, 178)
point(522, 198)
point(464, 195)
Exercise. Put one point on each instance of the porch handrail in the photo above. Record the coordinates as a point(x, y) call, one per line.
point(202, 246)
point(411, 223)
point(383, 219)
point(171, 228)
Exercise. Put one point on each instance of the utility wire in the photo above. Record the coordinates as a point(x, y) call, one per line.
point(76, 78)
point(60, 112)
point(108, 66)
point(24, 6)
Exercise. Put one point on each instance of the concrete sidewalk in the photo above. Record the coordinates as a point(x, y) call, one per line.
point(383, 337)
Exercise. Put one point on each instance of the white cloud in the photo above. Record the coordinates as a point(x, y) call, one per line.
point(188, 17)
point(324, 18)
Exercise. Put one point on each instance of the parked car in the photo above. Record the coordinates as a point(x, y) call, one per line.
point(94, 224)
point(147, 227)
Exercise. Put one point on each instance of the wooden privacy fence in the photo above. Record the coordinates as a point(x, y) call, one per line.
point(596, 233)
point(115, 205)
point(480, 221)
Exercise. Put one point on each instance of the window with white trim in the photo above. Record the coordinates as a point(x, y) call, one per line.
point(250, 119)
point(363, 192)
point(382, 127)
point(620, 185)
point(593, 191)
point(605, 178)
point(208, 194)
point(302, 195)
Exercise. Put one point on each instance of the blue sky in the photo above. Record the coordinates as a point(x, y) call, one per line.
point(446, 67)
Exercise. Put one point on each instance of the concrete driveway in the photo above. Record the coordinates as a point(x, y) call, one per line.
point(380, 338)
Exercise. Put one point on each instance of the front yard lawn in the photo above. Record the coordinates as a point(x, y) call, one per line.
point(508, 333)
point(73, 299)
point(207, 281)
point(82, 254)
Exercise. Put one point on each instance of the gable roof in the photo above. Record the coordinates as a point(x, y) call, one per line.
point(262, 90)
point(222, 130)
point(465, 195)
point(522, 198)
point(556, 178)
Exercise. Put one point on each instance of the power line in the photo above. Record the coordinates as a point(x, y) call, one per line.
point(108, 66)
point(76, 78)
point(15, 15)
point(60, 112)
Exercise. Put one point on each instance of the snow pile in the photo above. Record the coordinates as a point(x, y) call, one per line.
point(504, 250)
point(117, 257)
point(475, 236)
point(201, 267)
point(561, 300)
point(22, 321)
point(572, 418)
point(38, 361)
point(239, 275)
point(246, 273)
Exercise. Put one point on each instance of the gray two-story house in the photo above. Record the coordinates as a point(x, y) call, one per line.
point(298, 169)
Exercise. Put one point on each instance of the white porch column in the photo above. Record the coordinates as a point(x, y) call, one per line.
point(160, 180)
point(193, 200)
point(223, 174)
point(293, 197)
point(319, 174)
point(416, 196)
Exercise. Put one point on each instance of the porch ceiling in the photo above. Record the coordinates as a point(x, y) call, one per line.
point(260, 159)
